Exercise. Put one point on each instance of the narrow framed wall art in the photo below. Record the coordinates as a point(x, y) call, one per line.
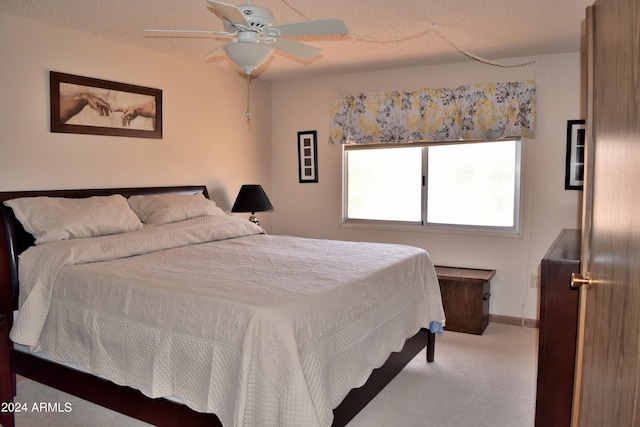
point(308, 156)
point(574, 173)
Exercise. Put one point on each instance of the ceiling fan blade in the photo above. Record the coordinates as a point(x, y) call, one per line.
point(320, 26)
point(229, 12)
point(217, 33)
point(301, 50)
point(215, 53)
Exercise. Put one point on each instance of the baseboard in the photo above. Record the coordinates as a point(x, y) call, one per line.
point(516, 321)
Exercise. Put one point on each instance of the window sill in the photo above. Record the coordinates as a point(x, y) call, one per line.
point(416, 227)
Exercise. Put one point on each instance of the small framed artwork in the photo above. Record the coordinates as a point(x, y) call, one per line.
point(574, 173)
point(307, 156)
point(86, 105)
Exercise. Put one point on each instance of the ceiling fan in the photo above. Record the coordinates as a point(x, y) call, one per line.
point(254, 35)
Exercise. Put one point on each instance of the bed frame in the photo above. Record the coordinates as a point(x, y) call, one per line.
point(162, 412)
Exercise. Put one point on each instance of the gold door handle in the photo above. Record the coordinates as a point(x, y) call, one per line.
point(578, 280)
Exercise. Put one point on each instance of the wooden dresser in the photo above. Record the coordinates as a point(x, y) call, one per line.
point(558, 331)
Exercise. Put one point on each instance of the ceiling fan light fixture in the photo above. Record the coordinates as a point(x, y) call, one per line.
point(248, 56)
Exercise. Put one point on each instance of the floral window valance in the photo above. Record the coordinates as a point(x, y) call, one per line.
point(481, 111)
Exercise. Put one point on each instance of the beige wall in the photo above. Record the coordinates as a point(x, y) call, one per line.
point(206, 138)
point(314, 210)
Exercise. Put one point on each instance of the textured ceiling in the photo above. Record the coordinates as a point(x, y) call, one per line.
point(383, 33)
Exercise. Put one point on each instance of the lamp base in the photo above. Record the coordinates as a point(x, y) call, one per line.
point(254, 220)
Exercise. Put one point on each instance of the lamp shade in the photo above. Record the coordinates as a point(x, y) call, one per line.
point(252, 198)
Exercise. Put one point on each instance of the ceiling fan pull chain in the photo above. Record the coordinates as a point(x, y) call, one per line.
point(248, 113)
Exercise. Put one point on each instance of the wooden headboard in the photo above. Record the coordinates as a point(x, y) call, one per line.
point(14, 239)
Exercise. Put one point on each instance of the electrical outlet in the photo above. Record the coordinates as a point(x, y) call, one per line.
point(535, 281)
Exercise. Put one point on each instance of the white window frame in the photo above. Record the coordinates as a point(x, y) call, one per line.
point(423, 226)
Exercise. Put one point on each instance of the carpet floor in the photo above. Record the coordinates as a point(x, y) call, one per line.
point(476, 381)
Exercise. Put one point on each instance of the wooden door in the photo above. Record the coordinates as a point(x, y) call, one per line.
point(609, 345)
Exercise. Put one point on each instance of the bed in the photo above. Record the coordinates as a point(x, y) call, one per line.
point(201, 318)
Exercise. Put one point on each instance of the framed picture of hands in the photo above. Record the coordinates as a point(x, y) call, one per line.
point(86, 105)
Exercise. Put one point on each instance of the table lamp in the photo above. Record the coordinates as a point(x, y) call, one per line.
point(252, 198)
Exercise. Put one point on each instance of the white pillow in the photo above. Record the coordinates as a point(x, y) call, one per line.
point(59, 218)
point(165, 208)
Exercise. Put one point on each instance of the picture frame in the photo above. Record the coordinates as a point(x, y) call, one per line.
point(308, 156)
point(85, 105)
point(574, 172)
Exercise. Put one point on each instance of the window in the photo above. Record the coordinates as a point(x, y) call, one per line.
point(462, 186)
point(385, 184)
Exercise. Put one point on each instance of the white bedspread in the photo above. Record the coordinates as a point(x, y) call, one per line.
point(261, 330)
